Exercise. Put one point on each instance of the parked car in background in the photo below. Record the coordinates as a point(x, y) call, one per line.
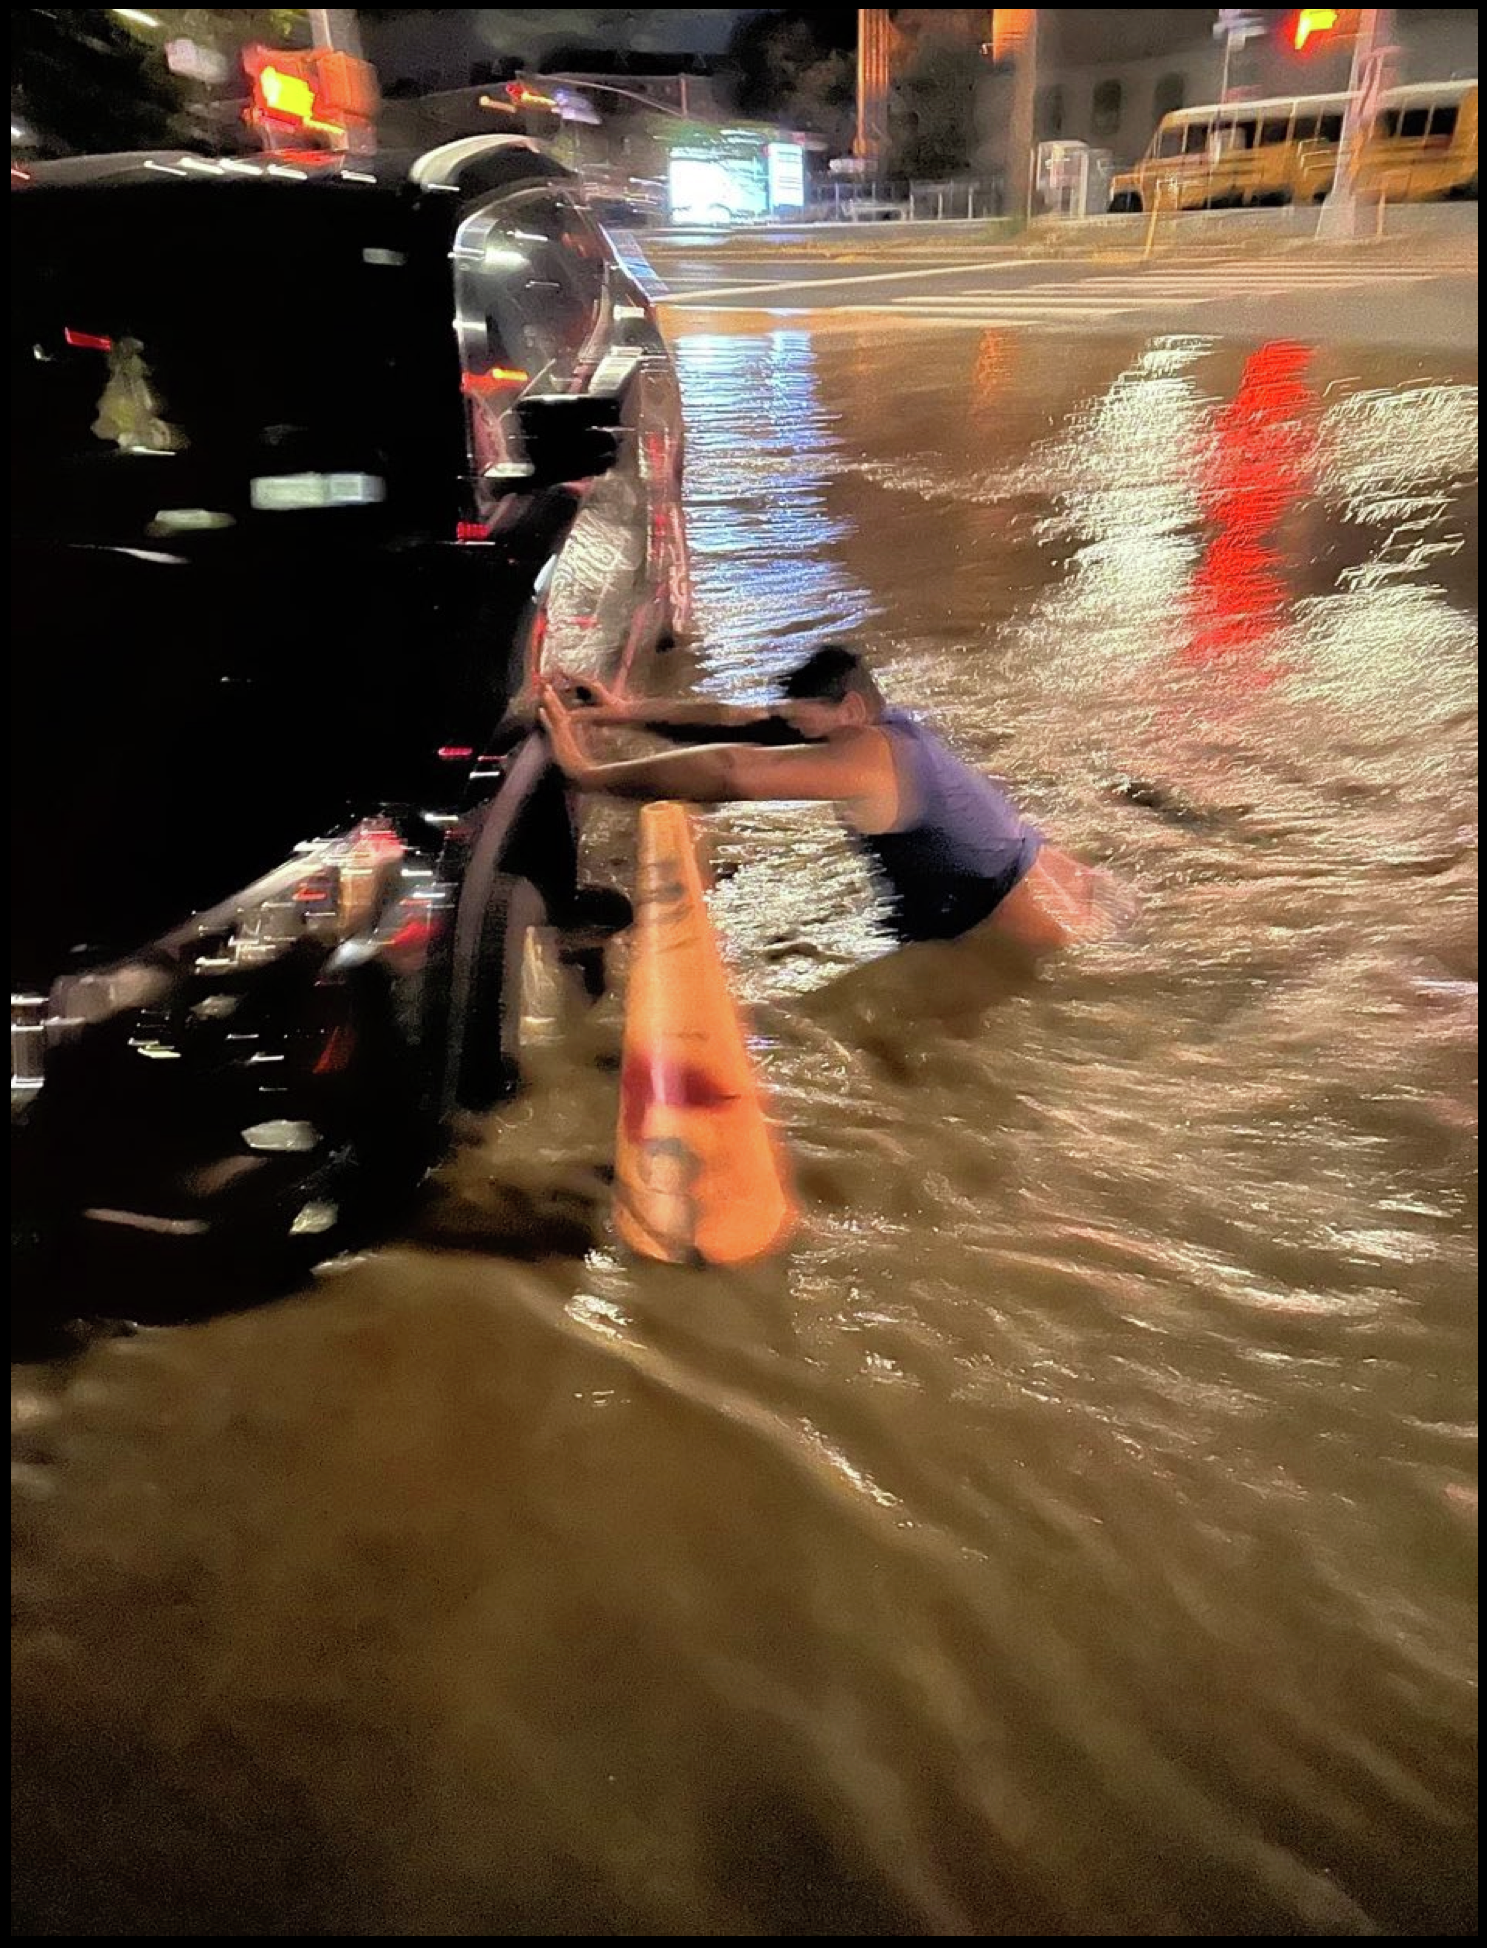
point(312, 460)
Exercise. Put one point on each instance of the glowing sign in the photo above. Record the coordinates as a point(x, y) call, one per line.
point(289, 95)
point(1310, 22)
point(716, 187)
point(786, 176)
point(321, 92)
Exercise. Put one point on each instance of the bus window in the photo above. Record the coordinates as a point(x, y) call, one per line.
point(1169, 142)
point(1443, 119)
point(1277, 129)
point(1305, 129)
point(1234, 137)
point(1195, 138)
point(1332, 128)
point(1388, 124)
point(1414, 123)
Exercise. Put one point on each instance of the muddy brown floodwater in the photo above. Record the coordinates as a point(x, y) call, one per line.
point(1076, 1535)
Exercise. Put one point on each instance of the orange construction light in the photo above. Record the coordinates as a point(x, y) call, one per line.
point(321, 91)
point(287, 95)
point(1312, 22)
point(699, 1176)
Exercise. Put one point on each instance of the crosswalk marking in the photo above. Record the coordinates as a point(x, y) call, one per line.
point(1118, 295)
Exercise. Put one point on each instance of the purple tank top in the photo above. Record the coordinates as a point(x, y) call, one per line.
point(968, 844)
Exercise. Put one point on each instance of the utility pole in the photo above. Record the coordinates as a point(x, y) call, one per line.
point(874, 38)
point(336, 29)
point(1338, 222)
point(1014, 38)
point(1236, 29)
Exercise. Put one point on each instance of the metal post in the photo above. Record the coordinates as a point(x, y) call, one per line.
point(1021, 42)
point(1151, 228)
point(336, 29)
point(1338, 222)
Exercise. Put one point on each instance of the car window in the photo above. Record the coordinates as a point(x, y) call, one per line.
point(151, 394)
point(529, 294)
point(530, 275)
point(548, 301)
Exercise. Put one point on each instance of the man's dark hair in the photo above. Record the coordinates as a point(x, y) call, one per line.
point(832, 675)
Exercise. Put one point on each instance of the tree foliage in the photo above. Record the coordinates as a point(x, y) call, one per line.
point(798, 68)
point(85, 81)
point(933, 122)
point(81, 82)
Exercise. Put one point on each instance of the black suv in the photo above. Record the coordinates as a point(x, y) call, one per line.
point(313, 461)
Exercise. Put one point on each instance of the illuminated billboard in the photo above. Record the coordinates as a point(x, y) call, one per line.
point(716, 185)
point(786, 176)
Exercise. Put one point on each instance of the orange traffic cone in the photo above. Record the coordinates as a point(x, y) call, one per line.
point(698, 1174)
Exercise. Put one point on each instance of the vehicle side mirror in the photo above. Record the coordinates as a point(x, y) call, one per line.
point(570, 437)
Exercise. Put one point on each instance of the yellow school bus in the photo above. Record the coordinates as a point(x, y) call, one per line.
point(1422, 147)
point(1236, 154)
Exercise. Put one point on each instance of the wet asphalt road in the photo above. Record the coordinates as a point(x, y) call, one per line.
point(1420, 295)
point(1077, 1534)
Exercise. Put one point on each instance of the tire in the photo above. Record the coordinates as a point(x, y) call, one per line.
point(490, 1053)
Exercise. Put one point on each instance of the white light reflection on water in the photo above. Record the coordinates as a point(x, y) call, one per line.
point(765, 550)
point(770, 583)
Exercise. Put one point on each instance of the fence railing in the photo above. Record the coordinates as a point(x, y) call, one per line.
point(905, 201)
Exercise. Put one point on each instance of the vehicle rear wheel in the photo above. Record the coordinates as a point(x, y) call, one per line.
point(490, 1056)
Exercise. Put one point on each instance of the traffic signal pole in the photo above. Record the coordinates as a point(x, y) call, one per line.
point(337, 29)
point(1338, 222)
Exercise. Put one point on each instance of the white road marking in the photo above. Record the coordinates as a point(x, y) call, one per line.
point(681, 295)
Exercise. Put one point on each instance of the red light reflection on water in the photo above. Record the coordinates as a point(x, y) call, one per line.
point(1259, 464)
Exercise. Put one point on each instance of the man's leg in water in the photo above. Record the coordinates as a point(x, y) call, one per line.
point(1061, 903)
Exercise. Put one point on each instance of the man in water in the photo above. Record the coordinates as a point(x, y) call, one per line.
point(948, 846)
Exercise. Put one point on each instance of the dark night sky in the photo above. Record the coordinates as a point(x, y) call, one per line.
point(447, 40)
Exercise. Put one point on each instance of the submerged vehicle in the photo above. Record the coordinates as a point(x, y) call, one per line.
point(313, 460)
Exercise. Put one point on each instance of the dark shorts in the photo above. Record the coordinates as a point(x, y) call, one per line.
point(945, 908)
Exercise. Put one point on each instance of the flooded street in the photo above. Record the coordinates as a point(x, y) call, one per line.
point(1077, 1533)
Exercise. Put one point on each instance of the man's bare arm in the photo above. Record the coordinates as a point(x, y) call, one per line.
point(600, 706)
point(715, 774)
